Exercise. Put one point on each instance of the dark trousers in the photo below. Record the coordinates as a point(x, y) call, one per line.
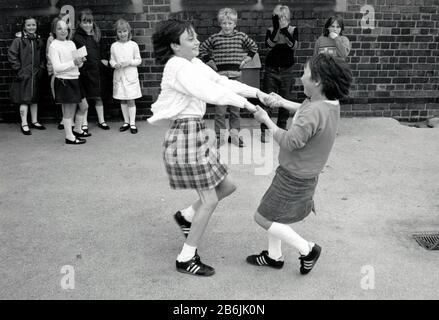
point(279, 80)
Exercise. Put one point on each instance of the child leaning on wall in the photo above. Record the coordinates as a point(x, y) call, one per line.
point(125, 57)
point(27, 58)
point(332, 41)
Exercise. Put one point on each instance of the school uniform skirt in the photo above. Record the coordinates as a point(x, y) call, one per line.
point(288, 199)
point(67, 91)
point(190, 156)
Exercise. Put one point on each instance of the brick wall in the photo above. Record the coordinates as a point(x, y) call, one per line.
point(395, 65)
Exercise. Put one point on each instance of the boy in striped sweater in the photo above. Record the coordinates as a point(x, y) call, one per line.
point(227, 52)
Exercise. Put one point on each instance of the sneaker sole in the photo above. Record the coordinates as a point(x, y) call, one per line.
point(194, 274)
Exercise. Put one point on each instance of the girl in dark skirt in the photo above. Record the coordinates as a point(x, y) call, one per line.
point(304, 150)
point(66, 84)
point(26, 55)
point(190, 155)
point(88, 34)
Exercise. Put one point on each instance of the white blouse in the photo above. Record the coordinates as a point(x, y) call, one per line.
point(187, 86)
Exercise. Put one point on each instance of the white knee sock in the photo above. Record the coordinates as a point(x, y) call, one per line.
point(187, 253)
point(188, 213)
point(68, 129)
point(100, 113)
point(132, 113)
point(274, 247)
point(287, 234)
point(79, 120)
point(85, 122)
point(124, 108)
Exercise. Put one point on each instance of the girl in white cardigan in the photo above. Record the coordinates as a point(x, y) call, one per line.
point(125, 57)
point(67, 89)
point(190, 154)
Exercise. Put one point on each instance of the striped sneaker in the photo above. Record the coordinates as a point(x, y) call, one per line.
point(184, 225)
point(263, 259)
point(195, 267)
point(307, 262)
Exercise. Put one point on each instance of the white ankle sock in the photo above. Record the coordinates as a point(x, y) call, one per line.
point(187, 253)
point(188, 213)
point(287, 234)
point(274, 247)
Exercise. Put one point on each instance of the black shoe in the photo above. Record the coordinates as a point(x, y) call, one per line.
point(84, 128)
point(184, 225)
point(125, 127)
point(238, 142)
point(103, 125)
point(307, 262)
point(76, 141)
point(263, 259)
point(26, 132)
point(60, 126)
point(195, 267)
point(38, 127)
point(133, 129)
point(82, 135)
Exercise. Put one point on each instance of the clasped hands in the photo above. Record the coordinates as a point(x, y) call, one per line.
point(271, 100)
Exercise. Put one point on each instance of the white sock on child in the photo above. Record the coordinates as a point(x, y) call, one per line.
point(124, 108)
point(187, 253)
point(274, 247)
point(132, 114)
point(188, 213)
point(287, 234)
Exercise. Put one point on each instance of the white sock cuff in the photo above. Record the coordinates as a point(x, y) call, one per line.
point(187, 253)
point(188, 213)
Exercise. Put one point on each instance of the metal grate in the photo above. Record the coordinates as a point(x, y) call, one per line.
point(428, 240)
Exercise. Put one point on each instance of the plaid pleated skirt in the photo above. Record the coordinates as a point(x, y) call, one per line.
point(190, 155)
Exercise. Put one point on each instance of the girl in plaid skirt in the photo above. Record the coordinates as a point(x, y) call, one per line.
point(190, 155)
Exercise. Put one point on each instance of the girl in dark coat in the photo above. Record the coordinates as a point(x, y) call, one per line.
point(26, 55)
point(88, 34)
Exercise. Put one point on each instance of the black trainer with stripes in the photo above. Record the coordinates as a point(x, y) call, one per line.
point(263, 259)
point(307, 262)
point(184, 225)
point(195, 267)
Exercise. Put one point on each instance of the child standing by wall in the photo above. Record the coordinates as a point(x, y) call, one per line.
point(67, 87)
point(49, 63)
point(190, 156)
point(26, 55)
point(304, 150)
point(88, 34)
point(332, 41)
point(125, 57)
point(227, 52)
point(282, 39)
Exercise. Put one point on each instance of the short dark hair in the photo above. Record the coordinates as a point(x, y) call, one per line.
point(23, 22)
point(166, 33)
point(330, 21)
point(333, 73)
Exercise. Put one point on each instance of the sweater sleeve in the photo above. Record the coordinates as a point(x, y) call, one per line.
point(113, 60)
point(343, 46)
point(205, 49)
point(14, 55)
point(250, 46)
point(271, 37)
point(291, 36)
point(303, 129)
point(137, 59)
point(316, 46)
point(234, 85)
point(192, 80)
point(59, 66)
